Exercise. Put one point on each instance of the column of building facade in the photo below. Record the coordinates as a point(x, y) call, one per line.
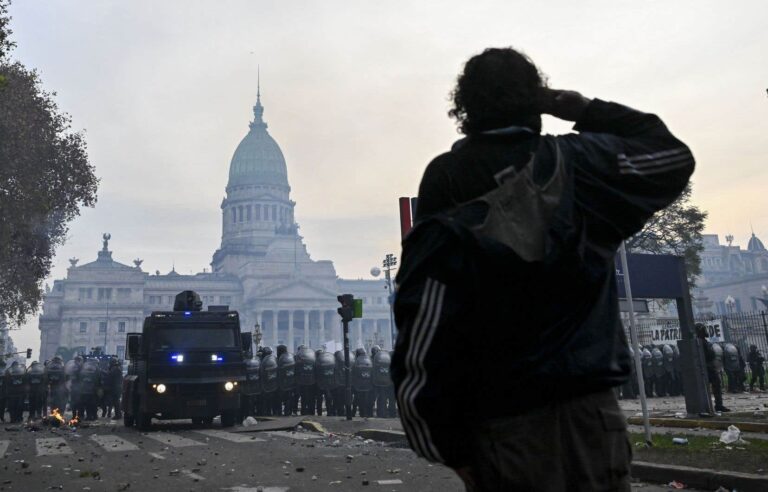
point(324, 326)
point(275, 317)
point(258, 314)
point(289, 342)
point(306, 327)
point(358, 333)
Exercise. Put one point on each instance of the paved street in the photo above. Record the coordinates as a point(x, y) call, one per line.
point(669, 405)
point(176, 456)
point(107, 456)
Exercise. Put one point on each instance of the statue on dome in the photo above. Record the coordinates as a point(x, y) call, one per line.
point(107, 236)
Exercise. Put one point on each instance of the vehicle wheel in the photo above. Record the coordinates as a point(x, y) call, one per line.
point(228, 419)
point(128, 420)
point(144, 421)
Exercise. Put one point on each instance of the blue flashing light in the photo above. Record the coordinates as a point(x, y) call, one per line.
point(178, 357)
point(187, 314)
point(216, 358)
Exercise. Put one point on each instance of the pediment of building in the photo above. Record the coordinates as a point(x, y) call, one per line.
point(295, 289)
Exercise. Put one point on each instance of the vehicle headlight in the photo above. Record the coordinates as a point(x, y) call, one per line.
point(160, 388)
point(229, 386)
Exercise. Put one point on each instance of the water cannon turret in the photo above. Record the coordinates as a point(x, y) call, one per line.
point(187, 301)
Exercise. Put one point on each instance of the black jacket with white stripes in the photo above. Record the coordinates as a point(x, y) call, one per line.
point(484, 334)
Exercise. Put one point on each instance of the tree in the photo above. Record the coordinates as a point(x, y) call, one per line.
point(675, 230)
point(45, 178)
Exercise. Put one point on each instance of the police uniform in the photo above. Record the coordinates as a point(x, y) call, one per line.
point(325, 368)
point(269, 385)
point(57, 391)
point(36, 389)
point(362, 384)
point(113, 387)
point(305, 379)
point(15, 391)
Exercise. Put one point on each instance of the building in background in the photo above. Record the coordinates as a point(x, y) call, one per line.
point(7, 346)
point(262, 269)
point(732, 279)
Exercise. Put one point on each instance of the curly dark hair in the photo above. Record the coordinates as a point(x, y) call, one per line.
point(499, 87)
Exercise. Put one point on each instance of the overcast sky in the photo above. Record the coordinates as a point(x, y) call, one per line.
point(356, 94)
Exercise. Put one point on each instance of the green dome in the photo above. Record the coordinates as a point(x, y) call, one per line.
point(258, 159)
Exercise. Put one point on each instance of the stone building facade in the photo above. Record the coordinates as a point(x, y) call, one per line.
point(262, 269)
point(732, 279)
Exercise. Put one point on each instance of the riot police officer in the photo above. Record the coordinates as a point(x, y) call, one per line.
point(36, 389)
point(286, 380)
point(72, 371)
point(731, 366)
point(249, 397)
point(670, 384)
point(269, 385)
point(57, 390)
point(362, 385)
point(112, 388)
point(305, 379)
point(325, 366)
point(713, 356)
point(756, 360)
point(648, 372)
point(340, 383)
point(658, 371)
point(383, 388)
point(15, 391)
point(90, 384)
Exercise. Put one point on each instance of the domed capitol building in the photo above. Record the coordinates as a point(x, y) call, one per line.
point(262, 269)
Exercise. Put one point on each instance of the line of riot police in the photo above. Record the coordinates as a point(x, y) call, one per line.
point(311, 382)
point(662, 369)
point(84, 384)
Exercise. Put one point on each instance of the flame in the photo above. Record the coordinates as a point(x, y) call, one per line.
point(58, 416)
point(55, 414)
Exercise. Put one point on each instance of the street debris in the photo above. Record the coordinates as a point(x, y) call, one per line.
point(680, 441)
point(249, 422)
point(676, 485)
point(732, 435)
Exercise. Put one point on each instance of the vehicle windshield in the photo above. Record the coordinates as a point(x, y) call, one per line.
point(197, 336)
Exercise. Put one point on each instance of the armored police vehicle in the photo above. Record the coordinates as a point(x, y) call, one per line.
point(186, 363)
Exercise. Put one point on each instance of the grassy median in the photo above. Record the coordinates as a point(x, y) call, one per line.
point(703, 452)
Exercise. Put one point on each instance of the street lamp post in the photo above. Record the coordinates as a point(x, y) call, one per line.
point(730, 303)
point(389, 263)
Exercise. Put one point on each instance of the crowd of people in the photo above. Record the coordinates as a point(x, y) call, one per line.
point(312, 382)
point(86, 385)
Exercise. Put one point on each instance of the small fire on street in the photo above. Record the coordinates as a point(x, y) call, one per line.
point(56, 419)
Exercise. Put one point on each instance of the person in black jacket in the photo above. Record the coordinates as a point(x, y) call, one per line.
point(513, 246)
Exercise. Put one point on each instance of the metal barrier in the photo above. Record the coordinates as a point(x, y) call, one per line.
point(740, 329)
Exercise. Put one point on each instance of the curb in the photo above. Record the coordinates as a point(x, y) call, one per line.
point(704, 424)
point(698, 478)
point(381, 435)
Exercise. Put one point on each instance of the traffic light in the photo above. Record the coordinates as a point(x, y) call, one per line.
point(350, 307)
point(29, 353)
point(347, 310)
